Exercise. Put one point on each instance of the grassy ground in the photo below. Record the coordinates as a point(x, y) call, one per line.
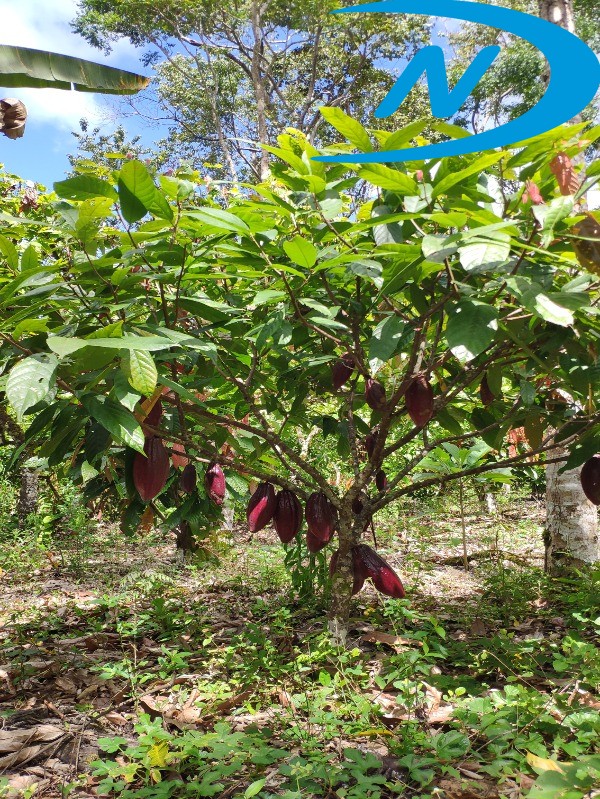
point(125, 673)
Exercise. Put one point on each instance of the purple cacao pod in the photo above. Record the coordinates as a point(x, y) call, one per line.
point(214, 483)
point(590, 479)
point(419, 401)
point(150, 472)
point(321, 516)
point(287, 518)
point(381, 573)
point(261, 507)
point(485, 392)
point(381, 480)
point(341, 371)
point(370, 442)
point(187, 481)
point(374, 394)
point(313, 543)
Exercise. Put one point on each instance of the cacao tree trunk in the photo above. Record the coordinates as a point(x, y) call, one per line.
point(28, 494)
point(342, 582)
point(571, 535)
point(185, 539)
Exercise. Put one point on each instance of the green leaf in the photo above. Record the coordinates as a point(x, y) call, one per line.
point(23, 67)
point(65, 346)
point(471, 328)
point(384, 341)
point(116, 419)
point(29, 259)
point(140, 370)
point(84, 187)
point(216, 217)
point(488, 253)
point(348, 127)
point(401, 137)
point(462, 174)
point(254, 788)
point(301, 251)
point(138, 194)
point(387, 178)
point(9, 251)
point(29, 381)
point(549, 215)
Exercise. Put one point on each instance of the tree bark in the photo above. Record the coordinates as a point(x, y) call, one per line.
point(571, 535)
point(342, 580)
point(28, 494)
point(259, 86)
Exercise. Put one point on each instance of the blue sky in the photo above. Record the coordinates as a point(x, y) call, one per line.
point(41, 154)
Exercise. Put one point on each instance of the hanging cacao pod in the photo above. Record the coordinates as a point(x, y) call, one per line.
point(155, 414)
point(287, 518)
point(590, 479)
point(187, 481)
point(381, 480)
point(381, 573)
point(419, 401)
point(261, 507)
point(214, 483)
point(485, 392)
point(374, 394)
point(178, 456)
point(357, 506)
point(341, 371)
point(370, 442)
point(150, 473)
point(321, 516)
point(313, 543)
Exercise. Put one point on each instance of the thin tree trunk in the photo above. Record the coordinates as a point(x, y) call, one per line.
point(28, 494)
point(571, 535)
point(259, 85)
point(342, 580)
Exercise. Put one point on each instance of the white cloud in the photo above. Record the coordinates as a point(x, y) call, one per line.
point(44, 25)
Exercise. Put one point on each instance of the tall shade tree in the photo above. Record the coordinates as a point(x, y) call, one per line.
point(234, 75)
point(571, 535)
point(414, 329)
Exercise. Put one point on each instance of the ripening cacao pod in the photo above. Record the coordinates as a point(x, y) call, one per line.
point(374, 394)
point(370, 442)
point(287, 518)
point(590, 479)
point(341, 371)
point(178, 456)
point(187, 481)
point(313, 543)
point(381, 480)
point(214, 483)
point(321, 516)
point(261, 507)
point(381, 573)
point(150, 472)
point(357, 506)
point(485, 392)
point(155, 414)
point(419, 401)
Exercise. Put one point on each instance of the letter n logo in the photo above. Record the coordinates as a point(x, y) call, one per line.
point(430, 60)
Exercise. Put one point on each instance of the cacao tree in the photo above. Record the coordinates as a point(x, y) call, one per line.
point(148, 318)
